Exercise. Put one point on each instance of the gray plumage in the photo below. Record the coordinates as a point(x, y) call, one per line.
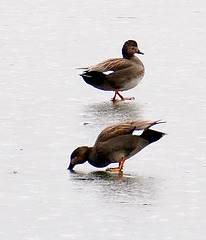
point(125, 73)
point(116, 143)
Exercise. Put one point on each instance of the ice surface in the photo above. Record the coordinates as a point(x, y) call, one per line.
point(47, 110)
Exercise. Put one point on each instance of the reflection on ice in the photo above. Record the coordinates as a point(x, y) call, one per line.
point(117, 187)
point(108, 113)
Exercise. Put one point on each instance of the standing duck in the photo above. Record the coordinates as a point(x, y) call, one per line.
point(125, 73)
point(116, 143)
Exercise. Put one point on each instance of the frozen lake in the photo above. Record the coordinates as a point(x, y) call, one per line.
point(45, 103)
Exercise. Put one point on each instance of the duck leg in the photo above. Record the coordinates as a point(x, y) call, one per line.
point(121, 164)
point(121, 97)
point(114, 98)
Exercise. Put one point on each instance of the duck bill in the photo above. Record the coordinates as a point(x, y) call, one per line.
point(71, 166)
point(139, 52)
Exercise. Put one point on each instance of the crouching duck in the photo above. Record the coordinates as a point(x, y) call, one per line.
point(125, 73)
point(115, 144)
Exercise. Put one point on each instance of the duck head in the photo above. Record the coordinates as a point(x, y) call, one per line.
point(78, 156)
point(130, 47)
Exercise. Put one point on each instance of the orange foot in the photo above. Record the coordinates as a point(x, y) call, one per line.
point(120, 168)
point(121, 97)
point(117, 169)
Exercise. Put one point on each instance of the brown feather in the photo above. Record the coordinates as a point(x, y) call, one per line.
point(112, 64)
point(124, 128)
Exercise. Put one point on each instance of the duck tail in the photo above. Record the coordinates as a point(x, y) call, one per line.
point(94, 78)
point(151, 135)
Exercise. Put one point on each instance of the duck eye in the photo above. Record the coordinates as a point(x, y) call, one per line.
point(74, 154)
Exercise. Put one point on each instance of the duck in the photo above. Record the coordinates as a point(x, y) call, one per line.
point(117, 74)
point(116, 144)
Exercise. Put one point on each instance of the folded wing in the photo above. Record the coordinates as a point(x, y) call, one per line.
point(124, 128)
point(112, 64)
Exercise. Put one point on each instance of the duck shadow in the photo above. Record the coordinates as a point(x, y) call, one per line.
point(118, 187)
point(108, 113)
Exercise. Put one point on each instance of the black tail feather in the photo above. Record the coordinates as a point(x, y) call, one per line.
point(152, 135)
point(94, 78)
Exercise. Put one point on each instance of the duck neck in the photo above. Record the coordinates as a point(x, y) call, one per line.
point(87, 155)
point(136, 60)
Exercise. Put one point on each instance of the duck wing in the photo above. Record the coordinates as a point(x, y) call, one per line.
point(112, 64)
point(124, 128)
